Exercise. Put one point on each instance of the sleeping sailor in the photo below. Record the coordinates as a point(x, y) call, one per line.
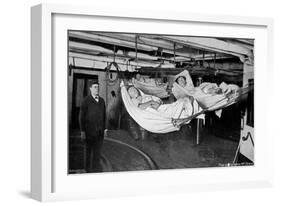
point(185, 82)
point(182, 108)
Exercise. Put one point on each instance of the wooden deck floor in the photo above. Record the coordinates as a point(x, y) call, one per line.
point(168, 151)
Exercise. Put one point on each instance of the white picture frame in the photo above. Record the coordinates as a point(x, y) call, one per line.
point(49, 180)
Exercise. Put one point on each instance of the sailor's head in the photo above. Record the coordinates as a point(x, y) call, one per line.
point(138, 76)
point(181, 80)
point(94, 87)
point(133, 92)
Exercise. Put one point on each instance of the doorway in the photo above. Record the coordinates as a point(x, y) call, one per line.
point(79, 92)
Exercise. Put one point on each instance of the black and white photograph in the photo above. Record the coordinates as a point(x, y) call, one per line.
point(140, 101)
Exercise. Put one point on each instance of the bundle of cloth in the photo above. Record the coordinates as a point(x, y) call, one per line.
point(151, 114)
point(151, 88)
point(208, 95)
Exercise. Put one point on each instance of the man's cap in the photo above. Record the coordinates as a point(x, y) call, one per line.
point(94, 81)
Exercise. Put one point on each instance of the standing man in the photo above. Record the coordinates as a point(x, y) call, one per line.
point(92, 125)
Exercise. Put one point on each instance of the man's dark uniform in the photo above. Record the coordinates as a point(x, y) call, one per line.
point(92, 122)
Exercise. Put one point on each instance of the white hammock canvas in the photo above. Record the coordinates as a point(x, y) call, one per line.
point(160, 120)
point(205, 100)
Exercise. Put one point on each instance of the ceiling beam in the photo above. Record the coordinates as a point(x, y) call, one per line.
point(145, 39)
point(241, 43)
point(211, 44)
point(94, 50)
point(109, 40)
point(118, 60)
point(202, 57)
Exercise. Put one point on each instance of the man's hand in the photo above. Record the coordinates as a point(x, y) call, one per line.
point(122, 84)
point(83, 136)
point(154, 104)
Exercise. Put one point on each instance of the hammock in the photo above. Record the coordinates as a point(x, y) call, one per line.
point(210, 101)
point(156, 121)
point(220, 104)
point(158, 91)
point(159, 122)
